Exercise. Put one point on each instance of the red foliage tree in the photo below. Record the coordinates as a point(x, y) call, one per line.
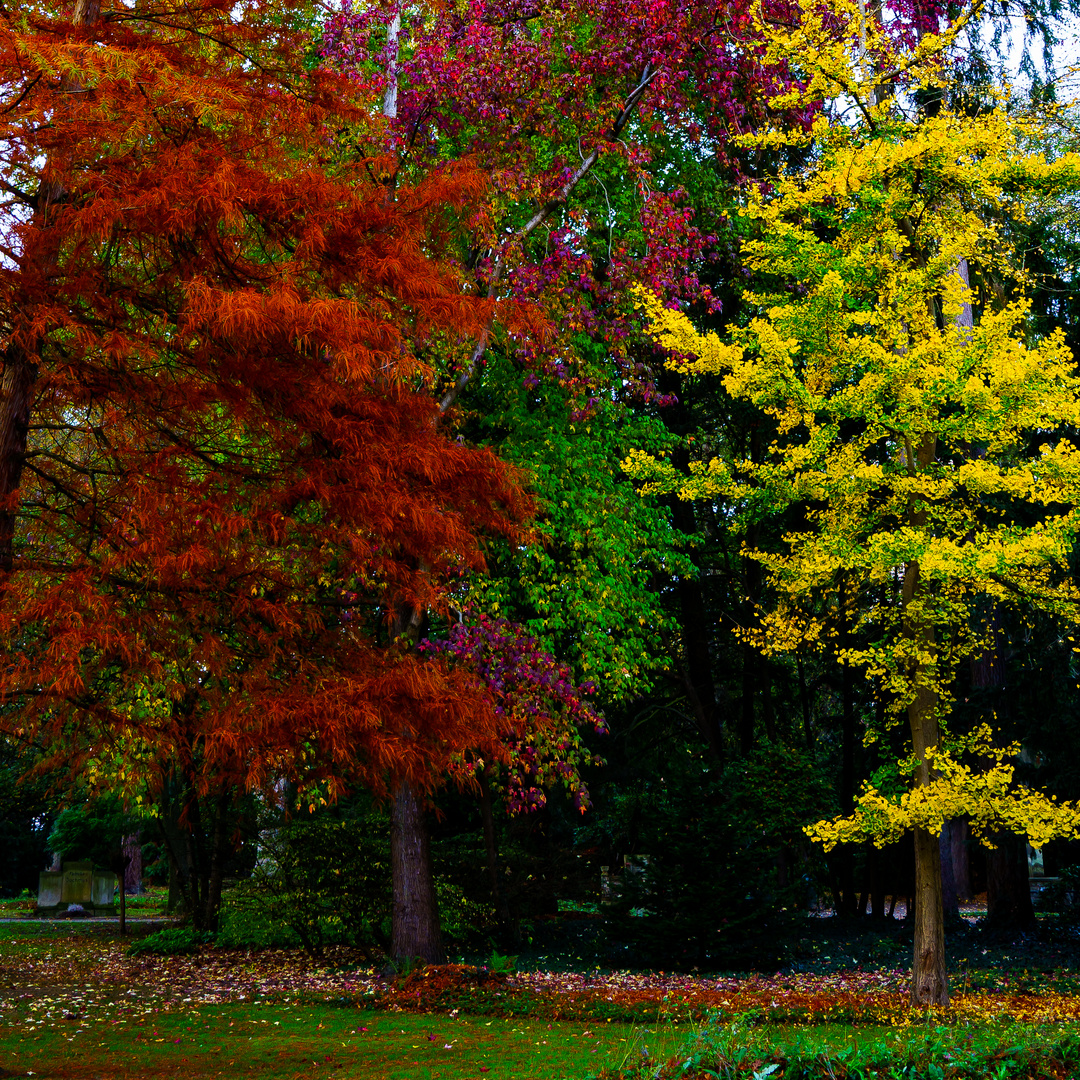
point(222, 483)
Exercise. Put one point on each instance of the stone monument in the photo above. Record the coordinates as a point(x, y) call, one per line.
point(76, 883)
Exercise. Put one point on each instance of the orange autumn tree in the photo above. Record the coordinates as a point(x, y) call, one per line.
point(224, 498)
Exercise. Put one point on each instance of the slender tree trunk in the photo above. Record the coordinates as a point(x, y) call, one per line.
point(804, 702)
point(219, 842)
point(849, 905)
point(133, 855)
point(768, 716)
point(749, 681)
point(416, 931)
point(877, 884)
point(695, 662)
point(498, 897)
point(929, 983)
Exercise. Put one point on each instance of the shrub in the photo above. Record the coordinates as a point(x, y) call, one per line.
point(172, 942)
point(318, 881)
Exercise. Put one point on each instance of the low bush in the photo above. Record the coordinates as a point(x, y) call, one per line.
point(172, 942)
point(319, 881)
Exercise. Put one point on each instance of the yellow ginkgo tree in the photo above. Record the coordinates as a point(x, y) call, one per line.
point(919, 457)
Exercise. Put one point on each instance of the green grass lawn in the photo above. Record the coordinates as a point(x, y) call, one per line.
point(75, 1004)
point(279, 1040)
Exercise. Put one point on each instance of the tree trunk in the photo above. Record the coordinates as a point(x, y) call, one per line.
point(949, 903)
point(877, 883)
point(804, 702)
point(1008, 889)
point(219, 841)
point(123, 896)
point(746, 714)
point(929, 983)
point(415, 931)
point(498, 897)
point(848, 902)
point(961, 859)
point(133, 855)
point(695, 662)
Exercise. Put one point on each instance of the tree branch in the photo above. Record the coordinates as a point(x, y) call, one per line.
point(557, 200)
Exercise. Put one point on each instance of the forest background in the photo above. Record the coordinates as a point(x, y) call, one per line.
point(325, 368)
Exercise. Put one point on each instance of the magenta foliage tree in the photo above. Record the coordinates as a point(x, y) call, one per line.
point(571, 109)
point(536, 694)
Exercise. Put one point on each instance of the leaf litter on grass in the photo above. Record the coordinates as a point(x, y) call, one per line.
point(68, 998)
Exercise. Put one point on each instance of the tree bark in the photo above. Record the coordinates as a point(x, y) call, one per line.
point(929, 983)
point(1008, 888)
point(950, 905)
point(498, 897)
point(848, 902)
point(961, 859)
point(804, 702)
point(133, 855)
point(123, 895)
point(695, 662)
point(219, 840)
point(416, 931)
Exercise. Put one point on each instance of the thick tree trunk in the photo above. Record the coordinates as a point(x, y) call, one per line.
point(416, 932)
point(961, 859)
point(133, 857)
point(929, 983)
point(949, 903)
point(1008, 889)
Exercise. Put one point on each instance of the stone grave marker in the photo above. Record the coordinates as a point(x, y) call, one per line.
point(104, 885)
point(50, 888)
point(78, 883)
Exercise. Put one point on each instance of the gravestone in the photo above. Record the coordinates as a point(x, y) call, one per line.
point(102, 889)
point(78, 883)
point(50, 888)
